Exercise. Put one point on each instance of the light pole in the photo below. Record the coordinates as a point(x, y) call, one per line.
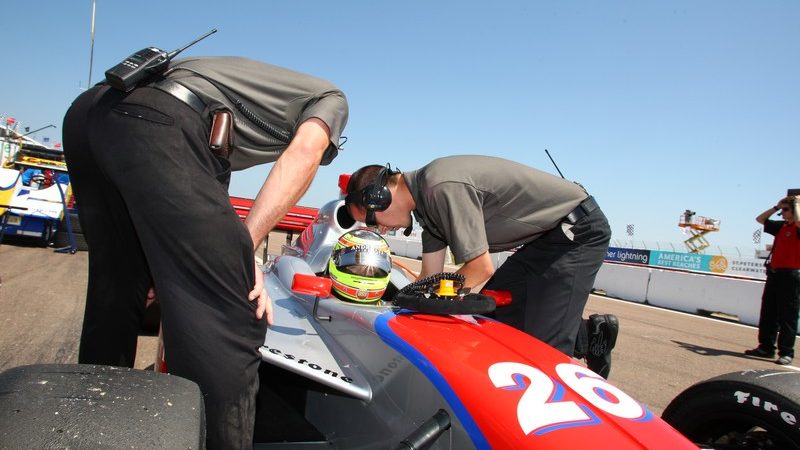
point(91, 53)
point(38, 129)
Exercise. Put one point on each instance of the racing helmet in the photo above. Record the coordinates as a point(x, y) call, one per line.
point(359, 266)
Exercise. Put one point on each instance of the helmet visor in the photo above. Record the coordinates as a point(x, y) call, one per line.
point(358, 261)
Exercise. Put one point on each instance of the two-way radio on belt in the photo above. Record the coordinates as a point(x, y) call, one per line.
point(149, 62)
point(144, 64)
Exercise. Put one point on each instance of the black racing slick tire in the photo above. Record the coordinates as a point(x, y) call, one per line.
point(61, 239)
point(757, 409)
point(47, 234)
point(87, 406)
point(74, 222)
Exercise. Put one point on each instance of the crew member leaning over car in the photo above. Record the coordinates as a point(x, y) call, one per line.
point(150, 171)
point(481, 204)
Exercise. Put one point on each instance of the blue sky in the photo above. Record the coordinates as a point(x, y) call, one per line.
point(655, 107)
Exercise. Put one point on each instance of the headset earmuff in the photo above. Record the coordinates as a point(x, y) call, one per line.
point(377, 197)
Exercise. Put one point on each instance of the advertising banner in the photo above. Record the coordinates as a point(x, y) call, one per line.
point(714, 264)
point(628, 255)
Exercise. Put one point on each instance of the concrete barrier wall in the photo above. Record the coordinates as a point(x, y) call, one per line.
point(683, 291)
point(412, 248)
point(409, 247)
point(626, 282)
point(692, 292)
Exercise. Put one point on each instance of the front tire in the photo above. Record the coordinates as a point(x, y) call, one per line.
point(758, 409)
point(47, 234)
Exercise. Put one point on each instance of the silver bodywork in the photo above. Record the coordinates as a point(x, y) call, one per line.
point(376, 397)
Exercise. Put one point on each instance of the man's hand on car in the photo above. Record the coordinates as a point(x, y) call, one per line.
point(259, 293)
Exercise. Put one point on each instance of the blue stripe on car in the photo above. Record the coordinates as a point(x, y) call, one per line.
point(429, 370)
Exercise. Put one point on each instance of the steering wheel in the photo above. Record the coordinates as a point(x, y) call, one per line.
point(39, 179)
point(429, 295)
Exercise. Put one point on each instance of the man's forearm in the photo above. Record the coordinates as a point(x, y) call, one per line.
point(288, 180)
point(283, 188)
point(764, 216)
point(477, 270)
point(432, 263)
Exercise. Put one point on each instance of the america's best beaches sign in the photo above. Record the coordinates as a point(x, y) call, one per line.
point(717, 264)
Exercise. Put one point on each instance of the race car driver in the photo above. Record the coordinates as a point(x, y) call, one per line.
point(478, 205)
point(359, 267)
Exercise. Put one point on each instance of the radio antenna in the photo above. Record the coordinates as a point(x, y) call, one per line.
point(173, 53)
point(554, 163)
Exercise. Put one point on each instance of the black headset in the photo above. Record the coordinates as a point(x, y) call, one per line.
point(374, 197)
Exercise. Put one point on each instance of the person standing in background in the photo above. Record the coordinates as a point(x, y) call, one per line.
point(780, 302)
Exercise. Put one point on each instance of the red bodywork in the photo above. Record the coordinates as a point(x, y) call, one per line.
point(512, 391)
point(297, 219)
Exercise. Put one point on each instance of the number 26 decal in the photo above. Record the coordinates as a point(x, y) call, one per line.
point(542, 407)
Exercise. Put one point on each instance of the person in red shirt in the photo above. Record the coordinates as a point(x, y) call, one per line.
point(780, 302)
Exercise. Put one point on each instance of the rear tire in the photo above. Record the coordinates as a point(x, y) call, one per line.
point(61, 239)
point(47, 234)
point(74, 222)
point(88, 406)
point(744, 410)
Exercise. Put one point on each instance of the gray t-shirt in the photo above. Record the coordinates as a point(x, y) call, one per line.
point(479, 203)
point(280, 97)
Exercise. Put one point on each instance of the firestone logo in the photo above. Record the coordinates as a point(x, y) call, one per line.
point(748, 398)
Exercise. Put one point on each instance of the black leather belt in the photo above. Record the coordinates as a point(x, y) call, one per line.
point(587, 205)
point(182, 93)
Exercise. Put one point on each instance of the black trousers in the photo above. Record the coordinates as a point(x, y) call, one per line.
point(153, 204)
point(780, 304)
point(550, 279)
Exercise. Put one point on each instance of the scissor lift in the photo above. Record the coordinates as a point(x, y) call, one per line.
point(698, 227)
